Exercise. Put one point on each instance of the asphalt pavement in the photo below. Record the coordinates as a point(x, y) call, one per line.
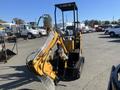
point(100, 52)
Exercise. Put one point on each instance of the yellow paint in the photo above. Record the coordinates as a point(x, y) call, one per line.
point(41, 63)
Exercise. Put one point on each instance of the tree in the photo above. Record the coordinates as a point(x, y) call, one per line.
point(118, 21)
point(2, 21)
point(92, 22)
point(86, 22)
point(95, 22)
point(114, 22)
point(107, 22)
point(18, 21)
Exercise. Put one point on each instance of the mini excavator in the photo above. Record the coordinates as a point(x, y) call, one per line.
point(60, 58)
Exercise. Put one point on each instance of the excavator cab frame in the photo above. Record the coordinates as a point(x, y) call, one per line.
point(73, 43)
point(68, 7)
point(65, 7)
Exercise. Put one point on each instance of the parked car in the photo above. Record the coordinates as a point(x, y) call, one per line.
point(87, 29)
point(84, 31)
point(28, 31)
point(106, 32)
point(102, 28)
point(91, 29)
point(69, 30)
point(114, 31)
point(11, 29)
point(42, 31)
point(3, 33)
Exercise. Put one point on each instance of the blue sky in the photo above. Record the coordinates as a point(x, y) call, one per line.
point(30, 10)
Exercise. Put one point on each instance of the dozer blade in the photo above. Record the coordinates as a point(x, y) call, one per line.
point(47, 82)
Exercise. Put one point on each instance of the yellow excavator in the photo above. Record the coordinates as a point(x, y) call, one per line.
point(60, 58)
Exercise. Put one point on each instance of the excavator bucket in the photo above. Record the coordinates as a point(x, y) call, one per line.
point(47, 82)
point(10, 53)
point(6, 53)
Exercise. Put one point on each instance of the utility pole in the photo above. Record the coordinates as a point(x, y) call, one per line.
point(66, 19)
point(113, 19)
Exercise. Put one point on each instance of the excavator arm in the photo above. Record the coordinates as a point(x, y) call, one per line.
point(40, 62)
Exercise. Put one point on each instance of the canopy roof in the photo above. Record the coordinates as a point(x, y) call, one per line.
point(67, 6)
